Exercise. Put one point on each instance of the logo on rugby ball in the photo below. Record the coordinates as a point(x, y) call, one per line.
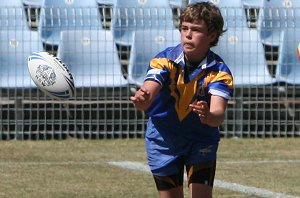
point(45, 75)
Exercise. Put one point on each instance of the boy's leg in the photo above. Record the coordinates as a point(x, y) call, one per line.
point(166, 161)
point(170, 186)
point(172, 193)
point(200, 191)
point(201, 178)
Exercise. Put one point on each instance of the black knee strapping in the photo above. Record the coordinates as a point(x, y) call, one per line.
point(168, 182)
point(202, 173)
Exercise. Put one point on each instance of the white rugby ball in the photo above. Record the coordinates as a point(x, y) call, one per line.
point(51, 75)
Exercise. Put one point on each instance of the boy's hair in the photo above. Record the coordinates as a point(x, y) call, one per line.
point(207, 12)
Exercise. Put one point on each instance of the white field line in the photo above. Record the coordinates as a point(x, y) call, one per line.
point(20, 164)
point(261, 162)
point(218, 183)
point(144, 168)
point(54, 163)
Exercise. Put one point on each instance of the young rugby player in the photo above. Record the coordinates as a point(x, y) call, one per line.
point(185, 94)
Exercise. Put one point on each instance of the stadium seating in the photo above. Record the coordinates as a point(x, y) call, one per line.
point(106, 11)
point(109, 2)
point(10, 3)
point(276, 16)
point(17, 42)
point(278, 26)
point(176, 3)
point(256, 3)
point(147, 44)
point(232, 11)
point(92, 58)
point(32, 9)
point(15, 47)
point(132, 15)
point(252, 10)
point(12, 15)
point(176, 6)
point(33, 2)
point(288, 69)
point(242, 50)
point(58, 15)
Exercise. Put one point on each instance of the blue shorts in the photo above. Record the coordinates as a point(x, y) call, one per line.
point(167, 152)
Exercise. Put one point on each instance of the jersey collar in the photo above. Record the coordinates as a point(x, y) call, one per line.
point(177, 56)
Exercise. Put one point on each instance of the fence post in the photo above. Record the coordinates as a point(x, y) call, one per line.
point(238, 115)
point(19, 119)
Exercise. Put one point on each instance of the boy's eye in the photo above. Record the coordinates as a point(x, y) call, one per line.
point(198, 30)
point(184, 28)
point(192, 29)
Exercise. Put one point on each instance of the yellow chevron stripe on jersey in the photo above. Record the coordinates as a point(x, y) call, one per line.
point(184, 94)
point(160, 63)
point(219, 76)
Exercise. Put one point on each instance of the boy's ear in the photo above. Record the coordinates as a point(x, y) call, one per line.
point(213, 36)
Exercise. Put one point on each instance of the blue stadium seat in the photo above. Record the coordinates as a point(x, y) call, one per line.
point(176, 3)
point(10, 3)
point(242, 50)
point(147, 44)
point(17, 42)
point(278, 24)
point(254, 3)
point(252, 10)
point(108, 2)
point(223, 3)
point(106, 11)
point(12, 15)
point(132, 15)
point(232, 10)
point(277, 16)
point(288, 69)
point(15, 47)
point(92, 58)
point(176, 6)
point(58, 15)
point(32, 9)
point(35, 3)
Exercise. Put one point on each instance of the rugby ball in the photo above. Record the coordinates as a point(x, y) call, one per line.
point(51, 75)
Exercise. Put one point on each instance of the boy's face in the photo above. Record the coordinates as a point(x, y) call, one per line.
point(196, 40)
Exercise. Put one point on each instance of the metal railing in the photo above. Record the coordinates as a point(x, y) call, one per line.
point(259, 108)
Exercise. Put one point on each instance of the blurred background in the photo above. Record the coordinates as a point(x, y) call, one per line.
point(107, 45)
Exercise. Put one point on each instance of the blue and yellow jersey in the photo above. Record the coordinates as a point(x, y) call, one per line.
point(170, 110)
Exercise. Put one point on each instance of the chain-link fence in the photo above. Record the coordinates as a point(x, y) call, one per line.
point(107, 46)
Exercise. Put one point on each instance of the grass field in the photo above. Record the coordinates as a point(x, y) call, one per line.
point(83, 168)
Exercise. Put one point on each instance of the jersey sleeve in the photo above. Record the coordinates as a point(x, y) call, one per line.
point(220, 83)
point(158, 70)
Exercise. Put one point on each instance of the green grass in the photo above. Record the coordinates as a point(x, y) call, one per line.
point(79, 168)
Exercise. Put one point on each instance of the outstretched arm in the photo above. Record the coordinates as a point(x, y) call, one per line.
point(144, 97)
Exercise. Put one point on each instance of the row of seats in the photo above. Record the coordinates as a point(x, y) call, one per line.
point(265, 52)
point(17, 42)
point(92, 57)
point(73, 30)
point(138, 29)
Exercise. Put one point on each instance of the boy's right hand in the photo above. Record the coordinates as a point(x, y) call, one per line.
point(144, 97)
point(140, 95)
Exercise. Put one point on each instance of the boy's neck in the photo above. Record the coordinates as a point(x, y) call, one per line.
point(194, 62)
